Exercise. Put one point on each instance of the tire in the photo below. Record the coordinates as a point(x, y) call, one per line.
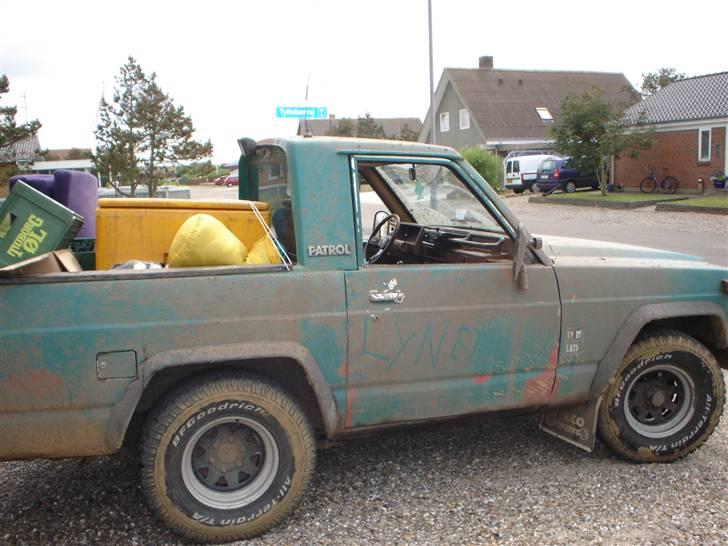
point(664, 401)
point(570, 187)
point(229, 185)
point(669, 184)
point(226, 457)
point(648, 185)
point(518, 192)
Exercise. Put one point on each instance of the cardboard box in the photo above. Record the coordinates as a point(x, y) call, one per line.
point(58, 261)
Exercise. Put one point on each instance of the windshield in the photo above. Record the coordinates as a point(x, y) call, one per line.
point(435, 196)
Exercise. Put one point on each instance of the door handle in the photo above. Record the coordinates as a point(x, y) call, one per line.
point(386, 296)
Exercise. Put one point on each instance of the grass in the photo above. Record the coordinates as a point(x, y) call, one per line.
point(719, 201)
point(618, 197)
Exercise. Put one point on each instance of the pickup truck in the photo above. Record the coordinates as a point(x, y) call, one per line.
point(409, 293)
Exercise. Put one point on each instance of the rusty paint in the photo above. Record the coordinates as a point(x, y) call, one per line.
point(38, 383)
point(538, 389)
point(480, 379)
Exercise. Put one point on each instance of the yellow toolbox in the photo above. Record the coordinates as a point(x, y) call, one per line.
point(143, 229)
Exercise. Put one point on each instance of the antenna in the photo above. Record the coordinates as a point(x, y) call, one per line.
point(25, 106)
point(307, 133)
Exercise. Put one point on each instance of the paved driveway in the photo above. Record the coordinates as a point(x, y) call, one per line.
point(705, 235)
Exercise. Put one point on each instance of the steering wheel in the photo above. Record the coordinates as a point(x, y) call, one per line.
point(383, 243)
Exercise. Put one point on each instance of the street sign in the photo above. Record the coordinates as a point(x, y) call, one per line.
point(309, 112)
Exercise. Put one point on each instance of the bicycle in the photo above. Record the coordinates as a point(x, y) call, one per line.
point(668, 184)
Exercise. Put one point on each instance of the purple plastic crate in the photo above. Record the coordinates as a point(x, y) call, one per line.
point(41, 182)
point(73, 189)
point(79, 191)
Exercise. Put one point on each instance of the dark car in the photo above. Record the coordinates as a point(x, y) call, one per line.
point(559, 171)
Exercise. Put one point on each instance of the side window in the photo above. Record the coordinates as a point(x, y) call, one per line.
point(464, 119)
point(444, 122)
point(704, 145)
point(270, 169)
point(509, 167)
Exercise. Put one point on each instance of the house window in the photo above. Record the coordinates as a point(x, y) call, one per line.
point(544, 114)
point(464, 119)
point(444, 122)
point(704, 145)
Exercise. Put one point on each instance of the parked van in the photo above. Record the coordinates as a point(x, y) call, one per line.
point(521, 171)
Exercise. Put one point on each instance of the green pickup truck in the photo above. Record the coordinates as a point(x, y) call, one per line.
point(412, 294)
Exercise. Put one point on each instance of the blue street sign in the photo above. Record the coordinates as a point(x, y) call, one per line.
point(310, 112)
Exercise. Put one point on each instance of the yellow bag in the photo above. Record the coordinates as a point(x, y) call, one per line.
point(205, 241)
point(263, 252)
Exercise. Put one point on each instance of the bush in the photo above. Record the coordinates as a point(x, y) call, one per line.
point(487, 164)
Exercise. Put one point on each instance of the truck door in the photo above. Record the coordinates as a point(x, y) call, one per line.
point(431, 340)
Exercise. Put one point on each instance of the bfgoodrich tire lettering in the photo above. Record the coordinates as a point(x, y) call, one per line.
point(226, 457)
point(664, 401)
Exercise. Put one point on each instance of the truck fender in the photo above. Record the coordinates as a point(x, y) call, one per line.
point(637, 321)
point(123, 411)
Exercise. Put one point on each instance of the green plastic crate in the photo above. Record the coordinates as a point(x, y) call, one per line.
point(32, 224)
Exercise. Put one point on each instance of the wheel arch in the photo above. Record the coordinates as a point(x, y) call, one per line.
point(705, 321)
point(290, 365)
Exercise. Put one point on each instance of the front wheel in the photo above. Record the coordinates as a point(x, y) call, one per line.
point(648, 185)
point(226, 457)
point(664, 401)
point(669, 184)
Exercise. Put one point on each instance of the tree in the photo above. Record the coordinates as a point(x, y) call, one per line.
point(488, 165)
point(408, 134)
point(366, 127)
point(343, 128)
point(654, 81)
point(10, 132)
point(591, 130)
point(75, 153)
point(142, 131)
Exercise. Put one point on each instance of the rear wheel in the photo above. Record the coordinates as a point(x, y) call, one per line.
point(664, 401)
point(226, 458)
point(669, 184)
point(570, 187)
point(648, 185)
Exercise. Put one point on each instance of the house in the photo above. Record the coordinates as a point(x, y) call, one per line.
point(392, 126)
point(690, 120)
point(506, 110)
point(22, 152)
point(71, 159)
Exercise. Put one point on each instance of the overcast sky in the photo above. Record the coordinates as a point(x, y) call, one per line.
point(231, 63)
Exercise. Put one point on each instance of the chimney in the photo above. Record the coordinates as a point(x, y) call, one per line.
point(486, 62)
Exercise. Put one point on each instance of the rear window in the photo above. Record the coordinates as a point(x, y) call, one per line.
point(548, 165)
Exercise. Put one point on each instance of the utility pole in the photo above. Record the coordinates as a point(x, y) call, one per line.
point(433, 125)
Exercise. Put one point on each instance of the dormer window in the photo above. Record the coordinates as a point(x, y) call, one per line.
point(544, 114)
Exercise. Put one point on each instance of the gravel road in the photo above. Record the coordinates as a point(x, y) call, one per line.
point(481, 481)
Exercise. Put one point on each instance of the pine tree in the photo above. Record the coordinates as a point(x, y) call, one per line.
point(142, 132)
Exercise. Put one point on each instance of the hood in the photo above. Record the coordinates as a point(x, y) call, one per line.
point(570, 247)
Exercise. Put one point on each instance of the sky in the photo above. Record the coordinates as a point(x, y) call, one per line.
point(230, 64)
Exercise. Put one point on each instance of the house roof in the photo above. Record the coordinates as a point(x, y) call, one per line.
point(391, 126)
point(23, 150)
point(504, 102)
point(700, 97)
